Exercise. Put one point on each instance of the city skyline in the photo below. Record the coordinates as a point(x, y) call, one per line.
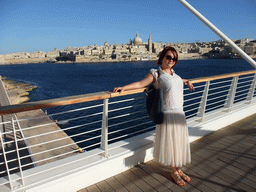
point(145, 43)
point(30, 26)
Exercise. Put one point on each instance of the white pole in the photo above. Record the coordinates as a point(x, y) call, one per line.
point(218, 32)
point(17, 151)
point(104, 131)
point(203, 103)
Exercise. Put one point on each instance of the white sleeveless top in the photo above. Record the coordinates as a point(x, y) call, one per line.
point(172, 86)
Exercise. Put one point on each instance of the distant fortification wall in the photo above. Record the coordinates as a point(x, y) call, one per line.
point(23, 60)
point(2, 62)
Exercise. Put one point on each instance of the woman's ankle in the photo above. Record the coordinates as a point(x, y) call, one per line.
point(173, 169)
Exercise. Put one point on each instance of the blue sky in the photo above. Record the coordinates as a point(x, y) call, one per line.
point(42, 25)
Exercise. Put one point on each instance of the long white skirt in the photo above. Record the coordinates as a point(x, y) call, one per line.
point(171, 142)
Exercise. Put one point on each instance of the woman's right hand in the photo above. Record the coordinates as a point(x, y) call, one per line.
point(136, 85)
point(118, 89)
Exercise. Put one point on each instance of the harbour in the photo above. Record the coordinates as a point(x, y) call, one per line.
point(113, 145)
point(77, 135)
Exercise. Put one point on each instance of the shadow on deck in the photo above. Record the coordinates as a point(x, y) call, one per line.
point(224, 160)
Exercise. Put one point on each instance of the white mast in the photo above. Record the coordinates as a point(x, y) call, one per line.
point(218, 32)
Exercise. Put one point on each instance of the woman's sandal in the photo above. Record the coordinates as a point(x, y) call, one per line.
point(178, 180)
point(185, 177)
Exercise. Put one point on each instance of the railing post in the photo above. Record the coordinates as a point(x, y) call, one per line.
point(231, 94)
point(104, 131)
point(6, 160)
point(17, 151)
point(202, 107)
point(252, 90)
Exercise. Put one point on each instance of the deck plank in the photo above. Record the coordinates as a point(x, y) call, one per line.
point(104, 186)
point(163, 174)
point(137, 181)
point(210, 180)
point(231, 169)
point(93, 188)
point(127, 183)
point(83, 190)
point(233, 180)
point(160, 173)
point(115, 184)
point(192, 186)
point(148, 179)
point(198, 182)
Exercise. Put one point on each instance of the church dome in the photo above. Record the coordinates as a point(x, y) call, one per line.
point(137, 40)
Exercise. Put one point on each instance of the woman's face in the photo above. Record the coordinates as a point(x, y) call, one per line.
point(169, 60)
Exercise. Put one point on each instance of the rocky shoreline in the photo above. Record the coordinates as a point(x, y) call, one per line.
point(18, 92)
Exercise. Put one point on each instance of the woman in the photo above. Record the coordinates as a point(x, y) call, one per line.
point(171, 143)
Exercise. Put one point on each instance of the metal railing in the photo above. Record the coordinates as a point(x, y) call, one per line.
point(92, 125)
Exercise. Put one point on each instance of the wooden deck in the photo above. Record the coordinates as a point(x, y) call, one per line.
point(221, 161)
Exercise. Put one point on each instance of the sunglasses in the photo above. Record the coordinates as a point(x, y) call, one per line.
point(168, 57)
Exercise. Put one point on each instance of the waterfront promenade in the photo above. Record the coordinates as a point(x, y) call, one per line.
point(39, 147)
point(224, 160)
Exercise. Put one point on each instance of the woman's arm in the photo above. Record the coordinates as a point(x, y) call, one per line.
point(190, 85)
point(136, 85)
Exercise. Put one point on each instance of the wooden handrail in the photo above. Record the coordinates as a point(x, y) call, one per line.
point(4, 110)
point(216, 77)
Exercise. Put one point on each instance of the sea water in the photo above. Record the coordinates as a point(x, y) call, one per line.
point(62, 80)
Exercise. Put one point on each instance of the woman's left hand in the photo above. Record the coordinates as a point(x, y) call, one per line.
point(118, 89)
point(190, 86)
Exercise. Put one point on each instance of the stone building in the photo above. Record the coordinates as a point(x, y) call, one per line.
point(120, 49)
point(137, 40)
point(136, 46)
point(150, 45)
point(157, 47)
point(250, 48)
point(39, 54)
point(95, 52)
point(53, 54)
point(107, 51)
point(2, 60)
point(138, 49)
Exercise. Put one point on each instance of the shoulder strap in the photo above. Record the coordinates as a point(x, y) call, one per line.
point(158, 74)
point(157, 80)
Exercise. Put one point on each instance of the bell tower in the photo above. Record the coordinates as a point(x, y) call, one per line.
point(150, 44)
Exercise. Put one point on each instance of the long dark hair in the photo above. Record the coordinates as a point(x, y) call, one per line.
point(163, 53)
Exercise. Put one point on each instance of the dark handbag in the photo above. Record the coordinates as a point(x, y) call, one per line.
point(154, 104)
